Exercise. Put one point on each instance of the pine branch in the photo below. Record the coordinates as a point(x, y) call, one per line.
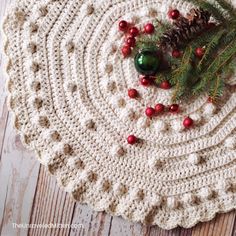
point(228, 7)
point(229, 69)
point(216, 88)
point(150, 41)
point(210, 48)
point(162, 26)
point(188, 74)
point(164, 76)
point(221, 60)
point(223, 43)
point(206, 36)
point(212, 8)
point(181, 75)
point(229, 37)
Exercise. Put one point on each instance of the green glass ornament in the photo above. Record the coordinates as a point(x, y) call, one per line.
point(147, 62)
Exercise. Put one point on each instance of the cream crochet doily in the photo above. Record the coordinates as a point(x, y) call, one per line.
point(68, 90)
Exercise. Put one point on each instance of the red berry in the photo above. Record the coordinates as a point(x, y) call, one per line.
point(149, 28)
point(176, 54)
point(174, 108)
point(199, 52)
point(132, 93)
point(150, 112)
point(126, 51)
point(210, 100)
point(165, 85)
point(174, 14)
point(123, 25)
point(134, 31)
point(131, 139)
point(188, 122)
point(130, 41)
point(145, 81)
point(159, 108)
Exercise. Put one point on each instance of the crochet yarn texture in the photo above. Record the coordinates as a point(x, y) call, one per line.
point(68, 89)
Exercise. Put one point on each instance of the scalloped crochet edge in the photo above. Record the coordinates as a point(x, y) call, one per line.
point(190, 222)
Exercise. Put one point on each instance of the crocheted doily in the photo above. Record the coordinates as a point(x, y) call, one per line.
point(68, 90)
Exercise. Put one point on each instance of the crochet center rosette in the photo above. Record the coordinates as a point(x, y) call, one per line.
point(68, 87)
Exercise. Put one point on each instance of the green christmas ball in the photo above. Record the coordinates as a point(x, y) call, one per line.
point(147, 62)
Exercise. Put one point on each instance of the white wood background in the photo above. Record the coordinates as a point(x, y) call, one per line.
point(30, 195)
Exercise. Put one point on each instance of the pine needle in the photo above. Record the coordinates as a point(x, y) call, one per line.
point(216, 88)
point(228, 8)
point(181, 75)
point(212, 8)
point(190, 75)
point(221, 60)
point(151, 41)
point(210, 48)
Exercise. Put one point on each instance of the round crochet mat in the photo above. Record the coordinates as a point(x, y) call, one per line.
point(68, 87)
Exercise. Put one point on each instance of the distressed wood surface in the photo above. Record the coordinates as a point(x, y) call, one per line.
point(29, 195)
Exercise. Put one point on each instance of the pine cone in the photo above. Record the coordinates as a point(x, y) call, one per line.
point(185, 29)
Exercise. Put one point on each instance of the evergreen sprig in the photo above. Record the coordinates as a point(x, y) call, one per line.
point(216, 88)
point(221, 10)
point(190, 75)
point(210, 48)
point(216, 12)
point(228, 8)
point(150, 41)
point(222, 59)
point(220, 50)
point(181, 75)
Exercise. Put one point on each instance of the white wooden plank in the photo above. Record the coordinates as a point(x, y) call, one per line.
point(122, 227)
point(18, 170)
point(18, 180)
point(93, 223)
point(51, 206)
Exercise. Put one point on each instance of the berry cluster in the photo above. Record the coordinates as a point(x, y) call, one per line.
point(174, 108)
point(174, 15)
point(160, 108)
point(149, 80)
point(157, 110)
point(131, 32)
point(199, 53)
